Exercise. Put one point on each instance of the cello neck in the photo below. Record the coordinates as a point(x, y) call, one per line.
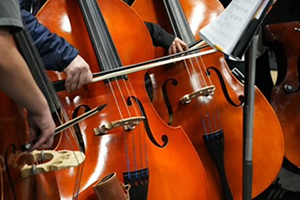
point(178, 21)
point(36, 66)
point(100, 37)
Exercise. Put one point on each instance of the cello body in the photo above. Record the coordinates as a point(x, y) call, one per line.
point(282, 39)
point(198, 117)
point(147, 156)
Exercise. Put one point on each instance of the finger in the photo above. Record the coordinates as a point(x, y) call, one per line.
point(185, 46)
point(32, 134)
point(32, 128)
point(173, 49)
point(75, 80)
point(48, 144)
point(89, 78)
point(179, 47)
point(43, 143)
point(82, 80)
point(170, 49)
point(68, 82)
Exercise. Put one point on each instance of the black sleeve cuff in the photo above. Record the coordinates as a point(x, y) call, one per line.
point(159, 36)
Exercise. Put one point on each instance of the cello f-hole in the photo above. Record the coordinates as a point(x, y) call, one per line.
point(174, 82)
point(164, 138)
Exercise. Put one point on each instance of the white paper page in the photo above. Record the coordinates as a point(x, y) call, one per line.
point(225, 31)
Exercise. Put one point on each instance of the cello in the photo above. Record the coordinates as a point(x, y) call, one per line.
point(212, 118)
point(13, 135)
point(128, 137)
point(14, 131)
point(281, 38)
point(23, 174)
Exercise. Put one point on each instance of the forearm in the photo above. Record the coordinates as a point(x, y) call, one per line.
point(55, 51)
point(15, 78)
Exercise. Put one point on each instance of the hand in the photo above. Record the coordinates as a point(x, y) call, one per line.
point(78, 73)
point(41, 126)
point(177, 46)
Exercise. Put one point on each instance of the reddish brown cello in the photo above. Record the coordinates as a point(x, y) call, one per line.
point(215, 114)
point(23, 174)
point(13, 135)
point(157, 161)
point(283, 39)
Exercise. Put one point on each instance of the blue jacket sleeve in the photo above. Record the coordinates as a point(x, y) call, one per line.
point(55, 51)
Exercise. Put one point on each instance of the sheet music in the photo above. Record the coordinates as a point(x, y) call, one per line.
point(224, 32)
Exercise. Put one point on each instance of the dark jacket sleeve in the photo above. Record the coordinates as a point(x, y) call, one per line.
point(159, 36)
point(55, 51)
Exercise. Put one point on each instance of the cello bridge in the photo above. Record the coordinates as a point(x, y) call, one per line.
point(51, 161)
point(206, 91)
point(127, 124)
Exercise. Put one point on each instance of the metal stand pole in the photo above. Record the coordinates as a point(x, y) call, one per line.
point(248, 112)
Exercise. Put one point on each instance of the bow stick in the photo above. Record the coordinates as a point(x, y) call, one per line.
point(59, 85)
point(68, 124)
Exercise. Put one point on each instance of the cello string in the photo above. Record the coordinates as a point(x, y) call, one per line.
point(213, 102)
point(76, 188)
point(215, 107)
point(133, 132)
point(105, 55)
point(126, 83)
point(186, 66)
point(207, 111)
point(210, 109)
point(216, 113)
point(197, 83)
point(129, 89)
point(116, 82)
point(134, 148)
point(140, 143)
